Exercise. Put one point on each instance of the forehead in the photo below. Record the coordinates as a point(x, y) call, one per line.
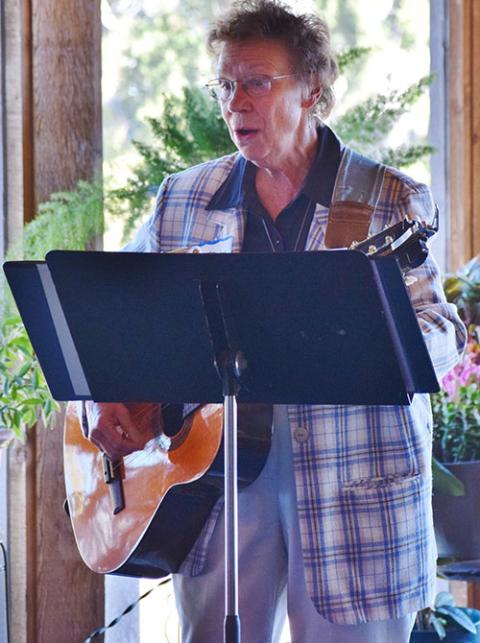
point(262, 56)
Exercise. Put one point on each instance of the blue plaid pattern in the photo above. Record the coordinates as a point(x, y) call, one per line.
point(363, 474)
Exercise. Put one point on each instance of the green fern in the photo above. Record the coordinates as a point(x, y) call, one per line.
point(68, 221)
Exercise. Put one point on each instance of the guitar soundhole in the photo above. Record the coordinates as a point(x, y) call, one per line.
point(173, 419)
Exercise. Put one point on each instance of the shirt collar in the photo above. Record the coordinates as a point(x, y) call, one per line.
point(318, 186)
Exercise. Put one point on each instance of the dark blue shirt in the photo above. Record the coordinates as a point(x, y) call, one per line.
point(290, 229)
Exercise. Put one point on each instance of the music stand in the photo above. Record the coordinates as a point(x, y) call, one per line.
point(210, 328)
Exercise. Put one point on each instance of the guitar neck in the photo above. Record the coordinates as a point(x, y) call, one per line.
point(405, 240)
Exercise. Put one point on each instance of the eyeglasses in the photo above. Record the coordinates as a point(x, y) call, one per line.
point(222, 89)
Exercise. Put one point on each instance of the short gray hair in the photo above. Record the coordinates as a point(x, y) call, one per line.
point(305, 36)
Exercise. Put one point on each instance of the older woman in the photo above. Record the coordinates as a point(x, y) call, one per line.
point(337, 530)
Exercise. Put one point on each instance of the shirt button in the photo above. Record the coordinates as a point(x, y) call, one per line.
point(300, 434)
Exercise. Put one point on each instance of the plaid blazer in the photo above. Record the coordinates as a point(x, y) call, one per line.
point(363, 473)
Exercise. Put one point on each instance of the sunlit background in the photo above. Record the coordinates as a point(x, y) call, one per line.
point(153, 48)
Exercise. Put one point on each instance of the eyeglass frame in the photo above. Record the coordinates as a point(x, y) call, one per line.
point(212, 84)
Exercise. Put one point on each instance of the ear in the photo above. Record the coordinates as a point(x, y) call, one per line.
point(312, 97)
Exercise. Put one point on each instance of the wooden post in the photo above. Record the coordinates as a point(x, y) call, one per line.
point(464, 154)
point(464, 130)
point(475, 154)
point(66, 71)
point(54, 54)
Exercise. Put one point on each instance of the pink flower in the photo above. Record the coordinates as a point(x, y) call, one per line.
point(465, 373)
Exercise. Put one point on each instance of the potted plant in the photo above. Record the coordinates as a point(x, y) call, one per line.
point(446, 622)
point(456, 428)
point(463, 289)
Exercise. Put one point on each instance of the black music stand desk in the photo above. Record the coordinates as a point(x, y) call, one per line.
point(331, 327)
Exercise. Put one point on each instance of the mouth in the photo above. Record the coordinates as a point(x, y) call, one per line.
point(245, 133)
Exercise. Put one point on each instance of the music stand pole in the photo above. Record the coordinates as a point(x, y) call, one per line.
point(231, 366)
point(232, 619)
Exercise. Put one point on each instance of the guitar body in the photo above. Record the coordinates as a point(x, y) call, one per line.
point(145, 521)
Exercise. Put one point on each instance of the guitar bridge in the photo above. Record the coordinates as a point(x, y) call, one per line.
point(112, 475)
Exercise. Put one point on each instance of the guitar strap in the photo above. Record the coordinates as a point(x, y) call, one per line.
point(356, 193)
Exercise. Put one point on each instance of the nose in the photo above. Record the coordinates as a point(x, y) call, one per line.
point(239, 100)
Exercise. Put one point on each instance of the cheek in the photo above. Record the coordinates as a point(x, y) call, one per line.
point(282, 118)
point(224, 114)
point(225, 118)
point(292, 115)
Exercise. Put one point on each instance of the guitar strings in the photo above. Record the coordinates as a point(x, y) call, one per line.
point(137, 455)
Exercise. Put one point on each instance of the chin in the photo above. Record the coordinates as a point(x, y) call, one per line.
point(250, 154)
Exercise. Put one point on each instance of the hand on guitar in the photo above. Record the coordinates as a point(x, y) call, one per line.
point(112, 429)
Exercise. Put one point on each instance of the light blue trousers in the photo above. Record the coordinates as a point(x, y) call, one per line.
point(271, 579)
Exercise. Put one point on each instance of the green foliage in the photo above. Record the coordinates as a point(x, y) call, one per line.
point(69, 221)
point(463, 289)
point(191, 131)
point(365, 125)
point(445, 616)
point(404, 155)
point(24, 394)
point(346, 58)
point(457, 425)
point(162, 49)
point(456, 408)
point(444, 481)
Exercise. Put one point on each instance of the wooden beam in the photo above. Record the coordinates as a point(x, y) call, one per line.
point(66, 71)
point(13, 153)
point(54, 104)
point(464, 149)
point(27, 112)
point(68, 599)
point(464, 130)
point(473, 595)
point(18, 479)
point(459, 132)
point(475, 128)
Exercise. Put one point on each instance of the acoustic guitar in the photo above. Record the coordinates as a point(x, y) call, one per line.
point(141, 516)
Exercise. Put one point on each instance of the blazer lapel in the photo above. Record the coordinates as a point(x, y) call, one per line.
point(316, 234)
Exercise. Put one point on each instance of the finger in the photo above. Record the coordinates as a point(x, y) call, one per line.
point(128, 426)
point(115, 448)
point(115, 441)
point(110, 442)
point(113, 430)
point(124, 440)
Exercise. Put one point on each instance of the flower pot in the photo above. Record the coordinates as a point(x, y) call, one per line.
point(454, 635)
point(457, 518)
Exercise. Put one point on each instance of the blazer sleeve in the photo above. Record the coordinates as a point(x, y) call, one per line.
point(148, 238)
point(442, 329)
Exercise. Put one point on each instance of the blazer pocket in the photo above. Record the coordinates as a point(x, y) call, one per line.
point(385, 545)
point(387, 514)
point(391, 480)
